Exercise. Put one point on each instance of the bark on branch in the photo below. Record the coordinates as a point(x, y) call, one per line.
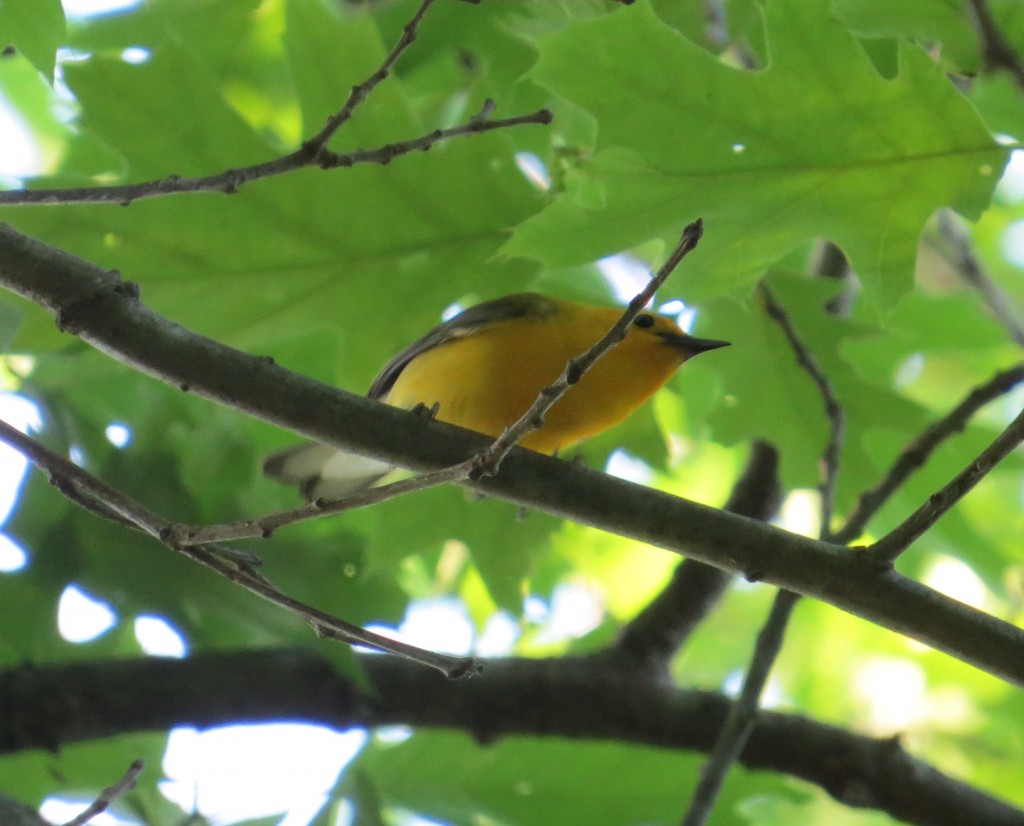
point(105, 311)
point(46, 707)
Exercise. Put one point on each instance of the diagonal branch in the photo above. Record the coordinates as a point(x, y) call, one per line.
point(106, 312)
point(833, 410)
point(652, 638)
point(970, 269)
point(890, 546)
point(123, 510)
point(996, 51)
point(109, 795)
point(231, 180)
point(484, 463)
point(533, 419)
point(312, 152)
point(362, 91)
point(742, 717)
point(739, 723)
point(915, 454)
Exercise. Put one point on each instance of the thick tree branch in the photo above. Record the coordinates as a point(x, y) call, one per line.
point(92, 494)
point(650, 640)
point(14, 813)
point(106, 312)
point(48, 707)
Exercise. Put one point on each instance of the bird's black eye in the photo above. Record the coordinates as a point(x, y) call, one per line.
point(644, 321)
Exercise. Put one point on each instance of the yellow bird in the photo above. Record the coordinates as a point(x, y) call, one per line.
point(485, 367)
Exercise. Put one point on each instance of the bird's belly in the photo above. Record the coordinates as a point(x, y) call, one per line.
point(485, 387)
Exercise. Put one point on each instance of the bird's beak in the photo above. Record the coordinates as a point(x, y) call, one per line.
point(692, 345)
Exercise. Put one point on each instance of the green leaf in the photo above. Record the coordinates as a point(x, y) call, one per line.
point(946, 22)
point(815, 144)
point(35, 28)
point(80, 770)
point(316, 250)
point(451, 778)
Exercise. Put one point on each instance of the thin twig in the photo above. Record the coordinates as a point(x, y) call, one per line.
point(110, 794)
point(533, 419)
point(312, 152)
point(970, 269)
point(739, 723)
point(890, 546)
point(231, 180)
point(915, 454)
point(265, 526)
point(485, 463)
point(360, 92)
point(996, 51)
point(833, 410)
point(227, 565)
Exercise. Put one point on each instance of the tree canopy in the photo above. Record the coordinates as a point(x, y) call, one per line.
point(239, 210)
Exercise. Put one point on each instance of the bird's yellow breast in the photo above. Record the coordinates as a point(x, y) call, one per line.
point(486, 379)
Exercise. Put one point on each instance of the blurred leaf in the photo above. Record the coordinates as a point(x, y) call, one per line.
point(35, 28)
point(946, 22)
point(82, 769)
point(547, 781)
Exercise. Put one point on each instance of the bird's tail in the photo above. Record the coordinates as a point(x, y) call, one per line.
point(324, 472)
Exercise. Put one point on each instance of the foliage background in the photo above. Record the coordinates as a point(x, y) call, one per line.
point(848, 130)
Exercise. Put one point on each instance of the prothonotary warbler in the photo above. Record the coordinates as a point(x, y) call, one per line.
point(485, 367)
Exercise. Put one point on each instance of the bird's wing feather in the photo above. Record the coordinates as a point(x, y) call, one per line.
point(520, 305)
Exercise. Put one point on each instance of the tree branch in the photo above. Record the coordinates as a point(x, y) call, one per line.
point(915, 454)
point(14, 813)
point(103, 500)
point(533, 419)
point(312, 152)
point(106, 312)
point(109, 795)
point(124, 510)
point(362, 91)
point(485, 462)
point(650, 640)
point(834, 412)
point(231, 180)
point(967, 265)
point(890, 546)
point(568, 698)
point(740, 721)
point(996, 51)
